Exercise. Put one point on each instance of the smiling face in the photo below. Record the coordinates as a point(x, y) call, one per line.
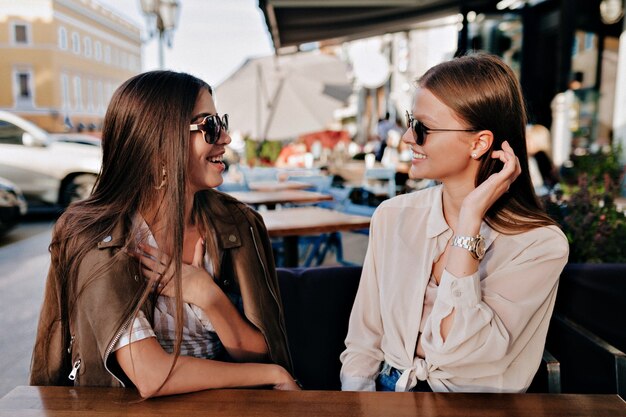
point(444, 155)
point(205, 165)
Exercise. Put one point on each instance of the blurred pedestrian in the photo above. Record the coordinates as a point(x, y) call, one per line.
point(542, 171)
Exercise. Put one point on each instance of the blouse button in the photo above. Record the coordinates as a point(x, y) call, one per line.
point(226, 282)
point(232, 238)
point(457, 293)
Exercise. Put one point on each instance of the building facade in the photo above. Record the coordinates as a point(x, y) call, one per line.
point(63, 59)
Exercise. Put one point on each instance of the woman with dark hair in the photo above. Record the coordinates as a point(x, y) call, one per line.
point(459, 280)
point(158, 280)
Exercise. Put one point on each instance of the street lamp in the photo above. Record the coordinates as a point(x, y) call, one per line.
point(164, 14)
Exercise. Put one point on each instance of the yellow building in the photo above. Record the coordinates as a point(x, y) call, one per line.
point(61, 60)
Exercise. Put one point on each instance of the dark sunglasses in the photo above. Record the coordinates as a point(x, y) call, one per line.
point(420, 130)
point(211, 127)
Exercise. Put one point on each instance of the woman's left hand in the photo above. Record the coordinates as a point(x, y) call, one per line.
point(486, 194)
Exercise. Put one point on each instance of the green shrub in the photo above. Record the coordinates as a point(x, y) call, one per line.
point(586, 210)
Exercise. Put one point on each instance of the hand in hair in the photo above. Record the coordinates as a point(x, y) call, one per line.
point(477, 202)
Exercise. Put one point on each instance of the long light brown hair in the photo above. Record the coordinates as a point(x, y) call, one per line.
point(485, 93)
point(145, 139)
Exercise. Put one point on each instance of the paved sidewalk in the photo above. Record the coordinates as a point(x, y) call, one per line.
point(23, 270)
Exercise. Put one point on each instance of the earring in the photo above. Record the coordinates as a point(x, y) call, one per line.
point(164, 180)
point(474, 156)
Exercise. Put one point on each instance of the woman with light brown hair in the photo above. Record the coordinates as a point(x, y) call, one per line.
point(157, 280)
point(459, 281)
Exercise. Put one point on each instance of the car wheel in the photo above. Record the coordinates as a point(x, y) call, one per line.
point(77, 188)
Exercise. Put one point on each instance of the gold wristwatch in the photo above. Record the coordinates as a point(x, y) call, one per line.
point(474, 244)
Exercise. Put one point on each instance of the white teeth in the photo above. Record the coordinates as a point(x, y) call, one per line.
point(218, 158)
point(416, 155)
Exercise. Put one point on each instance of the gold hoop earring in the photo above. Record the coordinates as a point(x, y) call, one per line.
point(164, 180)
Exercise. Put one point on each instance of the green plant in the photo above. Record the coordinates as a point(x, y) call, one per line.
point(261, 153)
point(602, 168)
point(586, 210)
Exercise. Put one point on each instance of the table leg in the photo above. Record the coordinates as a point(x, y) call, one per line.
point(291, 251)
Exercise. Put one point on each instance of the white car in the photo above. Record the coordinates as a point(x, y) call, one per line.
point(46, 167)
point(12, 205)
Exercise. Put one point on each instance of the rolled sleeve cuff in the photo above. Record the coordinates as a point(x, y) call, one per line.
point(357, 383)
point(460, 292)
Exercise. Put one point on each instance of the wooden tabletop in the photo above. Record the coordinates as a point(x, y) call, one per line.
point(279, 197)
point(278, 185)
point(74, 402)
point(299, 221)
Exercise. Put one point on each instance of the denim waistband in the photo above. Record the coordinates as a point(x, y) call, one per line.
point(389, 376)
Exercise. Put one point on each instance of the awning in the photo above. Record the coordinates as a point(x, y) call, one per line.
point(294, 22)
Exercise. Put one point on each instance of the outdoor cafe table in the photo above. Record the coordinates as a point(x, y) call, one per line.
point(291, 223)
point(108, 402)
point(278, 185)
point(271, 198)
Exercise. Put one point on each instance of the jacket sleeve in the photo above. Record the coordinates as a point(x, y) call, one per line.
point(47, 362)
point(493, 315)
point(107, 287)
point(363, 355)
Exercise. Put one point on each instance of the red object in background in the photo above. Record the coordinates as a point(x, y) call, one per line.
point(328, 138)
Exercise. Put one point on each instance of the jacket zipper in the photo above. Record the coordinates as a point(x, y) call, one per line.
point(280, 307)
point(110, 348)
point(75, 368)
point(69, 348)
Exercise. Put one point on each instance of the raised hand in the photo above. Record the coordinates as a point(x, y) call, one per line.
point(487, 193)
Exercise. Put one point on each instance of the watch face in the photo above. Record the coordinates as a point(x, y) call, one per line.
point(480, 248)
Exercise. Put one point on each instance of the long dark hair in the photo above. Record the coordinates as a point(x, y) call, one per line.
point(484, 92)
point(145, 142)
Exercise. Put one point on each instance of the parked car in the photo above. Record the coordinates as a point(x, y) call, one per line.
point(12, 205)
point(80, 138)
point(55, 169)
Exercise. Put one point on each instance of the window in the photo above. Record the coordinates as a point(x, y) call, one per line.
point(10, 134)
point(87, 46)
point(20, 33)
point(23, 93)
point(24, 87)
point(100, 96)
point(90, 101)
point(123, 59)
point(78, 94)
point(62, 38)
point(65, 92)
point(107, 54)
point(98, 50)
point(75, 43)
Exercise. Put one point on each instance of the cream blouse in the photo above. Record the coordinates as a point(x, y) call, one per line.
point(502, 311)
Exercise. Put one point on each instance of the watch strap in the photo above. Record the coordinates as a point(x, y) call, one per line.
point(469, 243)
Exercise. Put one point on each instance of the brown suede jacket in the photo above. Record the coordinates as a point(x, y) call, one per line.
point(109, 290)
